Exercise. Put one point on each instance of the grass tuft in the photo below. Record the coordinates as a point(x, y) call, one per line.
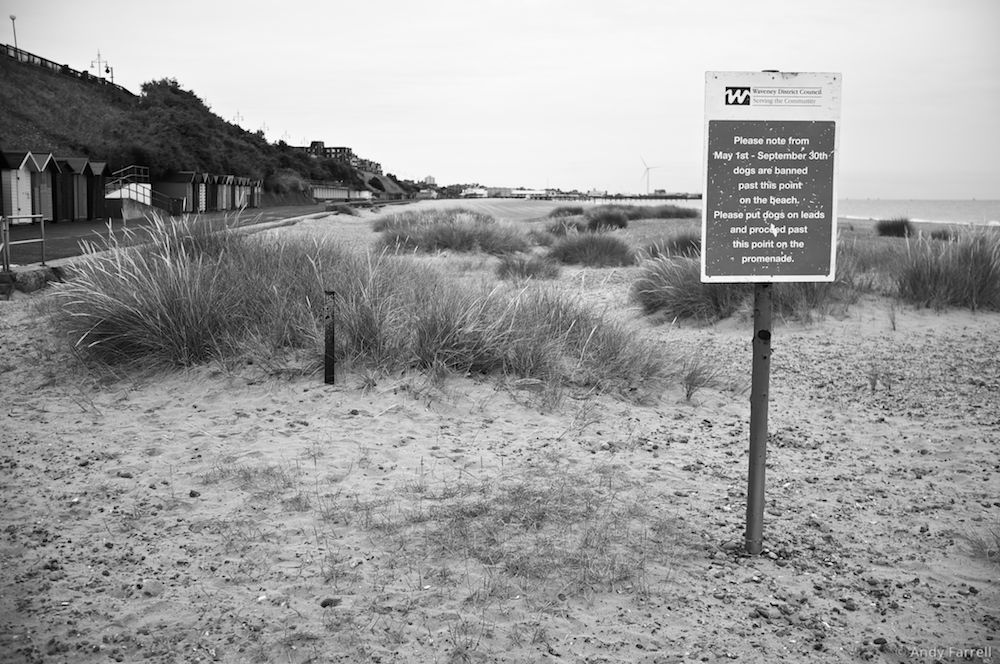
point(567, 211)
point(520, 266)
point(634, 212)
point(961, 273)
point(673, 287)
point(606, 219)
point(164, 304)
point(443, 230)
point(897, 227)
point(592, 250)
point(567, 226)
point(686, 245)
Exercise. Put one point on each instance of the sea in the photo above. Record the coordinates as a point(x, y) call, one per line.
point(970, 211)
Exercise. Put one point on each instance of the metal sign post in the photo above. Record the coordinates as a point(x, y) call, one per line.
point(329, 338)
point(770, 212)
point(759, 383)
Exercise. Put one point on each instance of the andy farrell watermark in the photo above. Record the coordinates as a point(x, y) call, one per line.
point(951, 653)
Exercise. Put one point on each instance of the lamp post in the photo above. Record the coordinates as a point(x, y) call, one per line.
point(13, 25)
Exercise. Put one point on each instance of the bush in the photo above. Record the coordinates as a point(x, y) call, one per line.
point(673, 287)
point(687, 245)
point(942, 234)
point(898, 227)
point(519, 266)
point(962, 273)
point(592, 250)
point(567, 211)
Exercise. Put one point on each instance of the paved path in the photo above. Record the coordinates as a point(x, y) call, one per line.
point(62, 240)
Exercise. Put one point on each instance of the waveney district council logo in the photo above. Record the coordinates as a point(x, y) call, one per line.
point(737, 96)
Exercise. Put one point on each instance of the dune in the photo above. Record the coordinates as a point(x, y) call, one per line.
point(234, 514)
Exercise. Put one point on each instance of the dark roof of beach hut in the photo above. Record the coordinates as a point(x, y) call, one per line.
point(99, 168)
point(17, 159)
point(180, 176)
point(46, 162)
point(77, 165)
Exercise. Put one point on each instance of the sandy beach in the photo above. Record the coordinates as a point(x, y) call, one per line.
point(235, 514)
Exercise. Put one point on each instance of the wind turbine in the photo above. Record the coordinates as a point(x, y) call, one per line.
point(645, 173)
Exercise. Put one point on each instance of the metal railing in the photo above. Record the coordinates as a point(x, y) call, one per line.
point(6, 243)
point(132, 175)
point(21, 55)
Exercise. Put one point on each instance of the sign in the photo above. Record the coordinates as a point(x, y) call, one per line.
point(769, 210)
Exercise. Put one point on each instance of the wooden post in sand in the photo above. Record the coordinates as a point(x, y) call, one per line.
point(329, 338)
point(759, 385)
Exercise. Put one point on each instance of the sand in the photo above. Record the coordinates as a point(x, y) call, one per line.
point(234, 515)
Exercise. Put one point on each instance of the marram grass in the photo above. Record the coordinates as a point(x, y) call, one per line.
point(174, 301)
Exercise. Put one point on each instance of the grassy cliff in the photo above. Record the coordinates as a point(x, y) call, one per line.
point(166, 128)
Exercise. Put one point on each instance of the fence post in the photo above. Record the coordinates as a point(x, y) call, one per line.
point(329, 338)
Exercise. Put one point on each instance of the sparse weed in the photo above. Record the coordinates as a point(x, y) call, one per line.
point(985, 544)
point(697, 373)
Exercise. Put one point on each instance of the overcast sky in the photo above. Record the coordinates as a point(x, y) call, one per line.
point(560, 93)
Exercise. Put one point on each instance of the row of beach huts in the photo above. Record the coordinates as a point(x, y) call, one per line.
point(42, 186)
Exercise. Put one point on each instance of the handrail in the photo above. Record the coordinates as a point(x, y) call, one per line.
point(21, 55)
point(129, 175)
point(6, 243)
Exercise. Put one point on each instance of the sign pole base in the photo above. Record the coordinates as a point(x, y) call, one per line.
point(759, 385)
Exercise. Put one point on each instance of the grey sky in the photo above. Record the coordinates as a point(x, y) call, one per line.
point(567, 93)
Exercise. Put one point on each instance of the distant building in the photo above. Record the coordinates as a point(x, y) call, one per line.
point(317, 149)
point(429, 181)
point(368, 166)
point(474, 192)
point(529, 193)
point(342, 154)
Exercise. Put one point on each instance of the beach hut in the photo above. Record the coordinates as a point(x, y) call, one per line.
point(212, 192)
point(255, 189)
point(71, 197)
point(241, 193)
point(200, 184)
point(15, 182)
point(43, 199)
point(180, 186)
point(97, 176)
point(224, 189)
